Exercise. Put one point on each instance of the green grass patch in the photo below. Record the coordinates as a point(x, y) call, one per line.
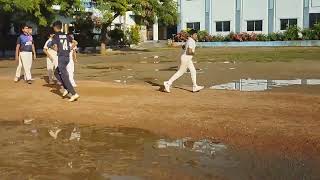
point(257, 54)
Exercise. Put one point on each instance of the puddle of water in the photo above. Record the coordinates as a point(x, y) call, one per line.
point(263, 85)
point(43, 150)
point(203, 146)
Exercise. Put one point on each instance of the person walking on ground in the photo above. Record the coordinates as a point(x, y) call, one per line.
point(63, 42)
point(186, 63)
point(52, 57)
point(73, 59)
point(25, 53)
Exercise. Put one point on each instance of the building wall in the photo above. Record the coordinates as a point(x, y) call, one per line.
point(223, 11)
point(315, 3)
point(125, 20)
point(285, 9)
point(192, 11)
point(254, 10)
point(241, 11)
point(314, 6)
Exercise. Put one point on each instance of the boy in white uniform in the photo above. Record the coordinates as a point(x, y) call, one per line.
point(52, 58)
point(186, 63)
point(73, 58)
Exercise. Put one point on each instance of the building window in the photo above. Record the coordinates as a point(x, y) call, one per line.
point(194, 25)
point(254, 25)
point(286, 23)
point(223, 26)
point(314, 18)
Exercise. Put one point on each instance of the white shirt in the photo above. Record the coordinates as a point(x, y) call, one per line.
point(71, 52)
point(46, 44)
point(191, 43)
point(51, 51)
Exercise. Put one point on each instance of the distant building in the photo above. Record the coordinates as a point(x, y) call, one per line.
point(259, 16)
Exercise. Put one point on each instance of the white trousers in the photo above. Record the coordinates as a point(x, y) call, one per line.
point(25, 61)
point(51, 66)
point(186, 63)
point(70, 69)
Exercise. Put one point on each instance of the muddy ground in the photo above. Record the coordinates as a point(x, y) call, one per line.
point(285, 121)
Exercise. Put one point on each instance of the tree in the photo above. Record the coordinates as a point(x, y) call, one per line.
point(146, 12)
point(39, 11)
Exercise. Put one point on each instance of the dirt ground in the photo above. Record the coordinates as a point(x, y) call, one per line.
point(281, 121)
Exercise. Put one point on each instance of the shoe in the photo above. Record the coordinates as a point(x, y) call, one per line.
point(16, 79)
point(29, 82)
point(65, 93)
point(197, 88)
point(167, 86)
point(74, 98)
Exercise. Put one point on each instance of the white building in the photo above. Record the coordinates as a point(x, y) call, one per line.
point(259, 16)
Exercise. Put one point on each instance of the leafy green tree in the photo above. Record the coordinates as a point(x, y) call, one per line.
point(39, 11)
point(42, 13)
point(146, 12)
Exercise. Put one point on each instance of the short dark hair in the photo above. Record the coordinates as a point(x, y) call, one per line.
point(57, 24)
point(24, 25)
point(51, 31)
point(70, 29)
point(192, 32)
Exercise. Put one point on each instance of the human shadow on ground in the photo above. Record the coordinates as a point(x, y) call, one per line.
point(176, 68)
point(173, 68)
point(54, 88)
point(184, 89)
point(161, 87)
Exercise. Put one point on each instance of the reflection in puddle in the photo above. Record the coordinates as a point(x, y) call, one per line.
point(203, 146)
point(75, 135)
point(39, 150)
point(263, 85)
point(54, 132)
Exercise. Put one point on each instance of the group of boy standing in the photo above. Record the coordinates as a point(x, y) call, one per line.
point(60, 49)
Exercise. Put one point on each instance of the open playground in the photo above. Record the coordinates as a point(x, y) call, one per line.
point(262, 104)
